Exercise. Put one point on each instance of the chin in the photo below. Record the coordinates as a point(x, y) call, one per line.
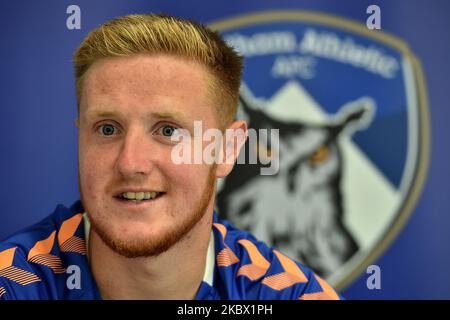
point(134, 239)
point(119, 228)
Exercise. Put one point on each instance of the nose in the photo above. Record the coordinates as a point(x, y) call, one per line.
point(136, 155)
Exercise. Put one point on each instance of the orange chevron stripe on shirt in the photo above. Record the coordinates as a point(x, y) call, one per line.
point(18, 275)
point(40, 254)
point(292, 274)
point(74, 244)
point(67, 240)
point(328, 292)
point(43, 246)
point(8, 271)
point(226, 257)
point(49, 260)
point(68, 228)
point(258, 266)
point(222, 229)
point(7, 257)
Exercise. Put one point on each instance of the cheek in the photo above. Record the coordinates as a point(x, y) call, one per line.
point(87, 180)
point(191, 179)
point(93, 168)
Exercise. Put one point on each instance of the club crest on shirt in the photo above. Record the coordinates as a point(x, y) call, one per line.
point(351, 109)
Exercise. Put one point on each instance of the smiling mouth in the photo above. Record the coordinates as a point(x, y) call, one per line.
point(138, 197)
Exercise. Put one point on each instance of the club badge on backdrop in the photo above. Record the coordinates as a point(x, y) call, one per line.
point(350, 105)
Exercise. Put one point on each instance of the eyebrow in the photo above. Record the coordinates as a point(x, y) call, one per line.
point(176, 116)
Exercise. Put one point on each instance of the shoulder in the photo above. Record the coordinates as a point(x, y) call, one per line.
point(249, 269)
point(32, 260)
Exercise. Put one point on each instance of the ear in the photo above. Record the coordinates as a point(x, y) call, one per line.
point(356, 115)
point(77, 123)
point(235, 137)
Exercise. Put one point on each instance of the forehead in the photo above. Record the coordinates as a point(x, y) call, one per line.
point(147, 83)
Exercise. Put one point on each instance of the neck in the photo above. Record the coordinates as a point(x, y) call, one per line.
point(174, 274)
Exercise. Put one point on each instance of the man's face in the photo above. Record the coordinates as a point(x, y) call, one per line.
point(128, 110)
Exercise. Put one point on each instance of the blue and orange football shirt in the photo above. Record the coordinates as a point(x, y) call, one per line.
point(38, 263)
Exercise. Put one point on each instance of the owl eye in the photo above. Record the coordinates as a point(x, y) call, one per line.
point(320, 155)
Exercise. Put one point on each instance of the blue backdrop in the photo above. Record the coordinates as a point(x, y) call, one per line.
point(38, 157)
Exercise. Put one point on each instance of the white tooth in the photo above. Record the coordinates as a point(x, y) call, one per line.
point(152, 195)
point(130, 195)
point(147, 195)
point(139, 195)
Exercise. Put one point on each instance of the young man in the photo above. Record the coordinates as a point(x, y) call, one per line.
point(145, 227)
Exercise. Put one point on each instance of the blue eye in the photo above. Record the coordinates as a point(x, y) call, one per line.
point(107, 129)
point(167, 130)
